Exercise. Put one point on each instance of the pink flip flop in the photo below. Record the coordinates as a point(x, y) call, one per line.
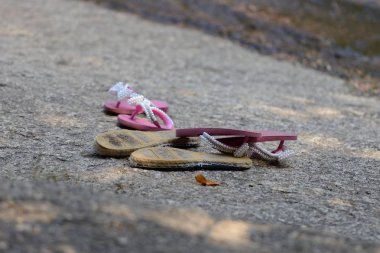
point(153, 113)
point(193, 132)
point(123, 107)
point(242, 143)
point(124, 91)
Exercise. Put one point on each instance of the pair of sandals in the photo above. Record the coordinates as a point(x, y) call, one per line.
point(160, 146)
point(130, 104)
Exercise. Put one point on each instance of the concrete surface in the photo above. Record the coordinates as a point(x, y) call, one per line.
point(59, 57)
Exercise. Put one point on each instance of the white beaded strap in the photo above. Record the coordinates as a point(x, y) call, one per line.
point(124, 91)
point(145, 104)
point(246, 149)
point(269, 156)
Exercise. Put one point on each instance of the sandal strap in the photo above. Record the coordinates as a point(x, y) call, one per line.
point(145, 104)
point(264, 154)
point(247, 149)
point(125, 91)
point(150, 110)
point(122, 90)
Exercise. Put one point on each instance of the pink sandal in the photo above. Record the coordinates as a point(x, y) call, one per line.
point(143, 105)
point(124, 91)
point(242, 143)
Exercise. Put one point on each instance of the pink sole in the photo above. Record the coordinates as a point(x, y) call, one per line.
point(139, 123)
point(267, 136)
point(192, 132)
point(237, 137)
point(125, 108)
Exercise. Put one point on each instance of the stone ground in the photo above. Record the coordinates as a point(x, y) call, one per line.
point(59, 57)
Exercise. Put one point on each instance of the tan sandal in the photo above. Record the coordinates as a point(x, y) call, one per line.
point(121, 143)
point(236, 151)
point(174, 158)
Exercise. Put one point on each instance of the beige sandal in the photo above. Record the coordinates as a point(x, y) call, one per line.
point(236, 150)
point(121, 143)
point(174, 158)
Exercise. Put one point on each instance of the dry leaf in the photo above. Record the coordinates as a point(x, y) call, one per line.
point(205, 182)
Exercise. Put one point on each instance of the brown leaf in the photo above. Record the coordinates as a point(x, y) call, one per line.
point(205, 182)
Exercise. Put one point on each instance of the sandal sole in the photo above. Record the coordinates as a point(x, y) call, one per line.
point(121, 143)
point(174, 158)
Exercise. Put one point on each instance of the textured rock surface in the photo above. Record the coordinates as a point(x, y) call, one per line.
point(58, 58)
point(58, 218)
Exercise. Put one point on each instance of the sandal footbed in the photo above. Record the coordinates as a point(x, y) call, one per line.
point(139, 123)
point(169, 158)
point(119, 143)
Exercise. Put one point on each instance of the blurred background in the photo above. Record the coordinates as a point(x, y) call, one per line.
point(341, 37)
